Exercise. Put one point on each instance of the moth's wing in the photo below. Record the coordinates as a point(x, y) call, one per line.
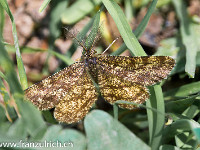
point(77, 102)
point(113, 88)
point(145, 70)
point(47, 93)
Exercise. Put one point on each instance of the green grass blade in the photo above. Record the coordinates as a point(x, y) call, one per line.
point(156, 119)
point(188, 37)
point(9, 74)
point(180, 126)
point(85, 30)
point(26, 109)
point(140, 29)
point(124, 28)
point(115, 111)
point(89, 43)
point(129, 10)
point(11, 49)
point(20, 65)
point(178, 106)
point(62, 57)
point(138, 105)
point(78, 10)
point(8, 111)
point(2, 20)
point(57, 7)
point(44, 5)
point(184, 90)
point(4, 92)
point(169, 147)
point(2, 75)
point(191, 111)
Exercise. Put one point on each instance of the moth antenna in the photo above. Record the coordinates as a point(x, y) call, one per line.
point(111, 44)
point(80, 43)
point(72, 35)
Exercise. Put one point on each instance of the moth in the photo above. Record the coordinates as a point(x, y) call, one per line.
point(72, 90)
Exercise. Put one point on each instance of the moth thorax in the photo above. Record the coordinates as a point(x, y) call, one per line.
point(90, 61)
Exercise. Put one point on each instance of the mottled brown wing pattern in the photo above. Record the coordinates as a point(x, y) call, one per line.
point(47, 93)
point(114, 88)
point(145, 70)
point(76, 104)
point(125, 78)
point(72, 93)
